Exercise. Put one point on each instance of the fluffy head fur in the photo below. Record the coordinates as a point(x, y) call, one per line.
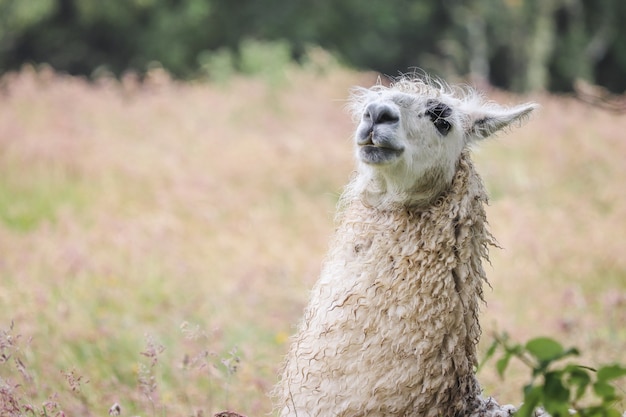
point(410, 136)
point(392, 324)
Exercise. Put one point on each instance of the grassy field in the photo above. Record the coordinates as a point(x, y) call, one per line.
point(158, 240)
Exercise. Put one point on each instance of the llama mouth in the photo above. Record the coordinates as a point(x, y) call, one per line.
point(373, 154)
point(376, 147)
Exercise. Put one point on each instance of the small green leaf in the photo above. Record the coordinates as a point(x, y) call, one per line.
point(557, 409)
point(604, 390)
point(532, 397)
point(609, 372)
point(591, 411)
point(578, 378)
point(502, 363)
point(611, 412)
point(554, 388)
point(556, 395)
point(544, 348)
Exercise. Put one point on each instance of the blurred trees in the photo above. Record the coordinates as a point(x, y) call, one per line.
point(515, 44)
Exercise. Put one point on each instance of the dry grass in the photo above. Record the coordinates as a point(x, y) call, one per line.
point(158, 240)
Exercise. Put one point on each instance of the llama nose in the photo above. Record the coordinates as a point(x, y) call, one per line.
point(381, 113)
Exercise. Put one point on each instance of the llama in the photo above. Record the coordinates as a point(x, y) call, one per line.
point(391, 327)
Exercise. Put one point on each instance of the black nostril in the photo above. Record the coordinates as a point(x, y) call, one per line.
point(381, 114)
point(387, 117)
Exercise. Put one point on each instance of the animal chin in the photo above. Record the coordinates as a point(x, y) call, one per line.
point(375, 155)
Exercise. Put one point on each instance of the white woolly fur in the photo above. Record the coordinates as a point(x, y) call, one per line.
point(391, 327)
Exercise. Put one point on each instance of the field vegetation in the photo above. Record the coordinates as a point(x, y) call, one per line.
point(158, 239)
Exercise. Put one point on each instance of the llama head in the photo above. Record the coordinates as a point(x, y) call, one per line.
point(411, 135)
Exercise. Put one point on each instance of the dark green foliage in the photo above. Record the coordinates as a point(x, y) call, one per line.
point(515, 44)
point(562, 389)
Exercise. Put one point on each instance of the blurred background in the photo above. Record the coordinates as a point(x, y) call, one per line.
point(169, 171)
point(518, 45)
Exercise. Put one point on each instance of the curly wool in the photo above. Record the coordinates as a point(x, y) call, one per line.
point(392, 325)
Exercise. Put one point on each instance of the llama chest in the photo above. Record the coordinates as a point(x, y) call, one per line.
point(383, 277)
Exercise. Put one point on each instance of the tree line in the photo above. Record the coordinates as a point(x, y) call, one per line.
point(520, 45)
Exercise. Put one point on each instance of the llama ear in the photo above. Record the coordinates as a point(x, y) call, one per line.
point(487, 121)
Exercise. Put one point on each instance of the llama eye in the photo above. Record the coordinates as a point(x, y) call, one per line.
point(443, 126)
point(437, 113)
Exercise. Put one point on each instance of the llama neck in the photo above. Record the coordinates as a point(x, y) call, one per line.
point(425, 194)
point(384, 191)
point(454, 224)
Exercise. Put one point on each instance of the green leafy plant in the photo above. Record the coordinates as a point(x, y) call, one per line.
point(563, 389)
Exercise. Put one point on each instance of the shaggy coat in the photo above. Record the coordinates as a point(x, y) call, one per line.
point(391, 327)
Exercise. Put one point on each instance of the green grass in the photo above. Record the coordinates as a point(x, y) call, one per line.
point(28, 201)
